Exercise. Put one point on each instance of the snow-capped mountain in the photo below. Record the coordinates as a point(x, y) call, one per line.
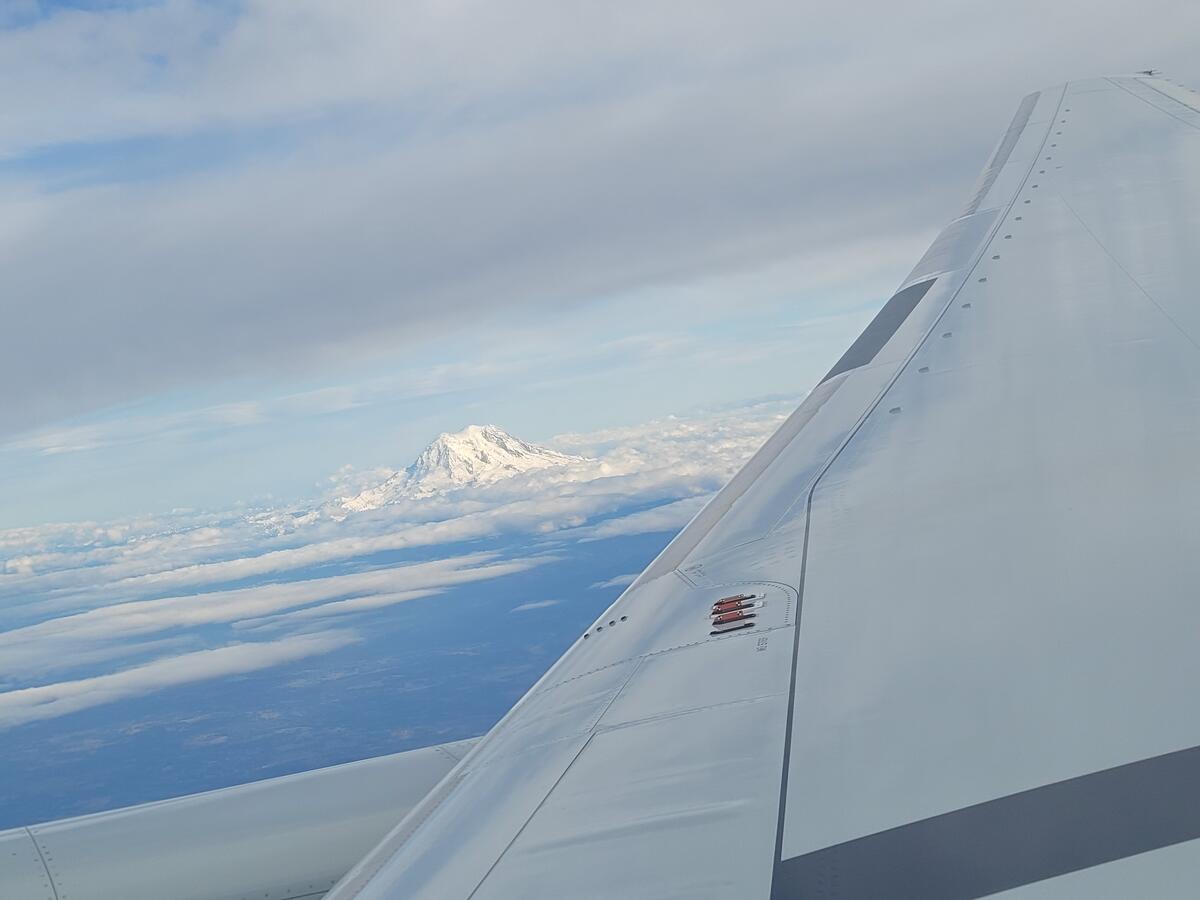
point(476, 456)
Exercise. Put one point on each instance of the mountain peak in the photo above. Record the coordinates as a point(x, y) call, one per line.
point(476, 456)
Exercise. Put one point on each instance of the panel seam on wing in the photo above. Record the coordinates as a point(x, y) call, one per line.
point(42, 856)
point(691, 710)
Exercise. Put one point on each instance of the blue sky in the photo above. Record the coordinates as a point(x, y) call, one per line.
point(248, 243)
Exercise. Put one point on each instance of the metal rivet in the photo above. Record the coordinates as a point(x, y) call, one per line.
point(923, 369)
point(894, 410)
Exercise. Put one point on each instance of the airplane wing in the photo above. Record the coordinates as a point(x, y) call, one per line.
point(938, 638)
point(282, 838)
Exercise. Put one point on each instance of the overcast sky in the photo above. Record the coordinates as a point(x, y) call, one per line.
point(246, 243)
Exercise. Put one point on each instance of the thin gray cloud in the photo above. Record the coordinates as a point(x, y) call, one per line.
point(535, 604)
point(618, 581)
point(52, 700)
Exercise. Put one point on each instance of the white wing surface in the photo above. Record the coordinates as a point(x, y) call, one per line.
point(963, 655)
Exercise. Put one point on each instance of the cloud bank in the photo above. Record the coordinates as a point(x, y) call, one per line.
point(258, 187)
point(164, 600)
point(48, 701)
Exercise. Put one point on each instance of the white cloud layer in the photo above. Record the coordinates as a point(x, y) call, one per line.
point(82, 596)
point(48, 701)
point(62, 636)
point(618, 581)
point(535, 604)
point(668, 517)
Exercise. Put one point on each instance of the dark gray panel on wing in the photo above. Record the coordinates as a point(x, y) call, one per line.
point(1011, 841)
point(882, 327)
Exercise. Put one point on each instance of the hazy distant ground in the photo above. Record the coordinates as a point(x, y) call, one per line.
point(194, 650)
point(426, 671)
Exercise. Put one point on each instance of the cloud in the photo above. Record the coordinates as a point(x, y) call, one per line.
point(619, 581)
point(303, 170)
point(49, 701)
point(668, 517)
point(378, 601)
point(75, 566)
point(87, 597)
point(536, 604)
point(61, 637)
point(133, 429)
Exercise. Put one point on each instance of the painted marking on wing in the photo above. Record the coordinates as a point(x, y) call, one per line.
point(778, 890)
point(1011, 841)
point(885, 324)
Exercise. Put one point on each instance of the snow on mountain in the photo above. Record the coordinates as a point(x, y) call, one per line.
point(476, 456)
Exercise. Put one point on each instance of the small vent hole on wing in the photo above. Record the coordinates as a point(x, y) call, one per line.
point(947, 334)
point(997, 256)
point(894, 410)
point(982, 280)
point(966, 306)
point(923, 369)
